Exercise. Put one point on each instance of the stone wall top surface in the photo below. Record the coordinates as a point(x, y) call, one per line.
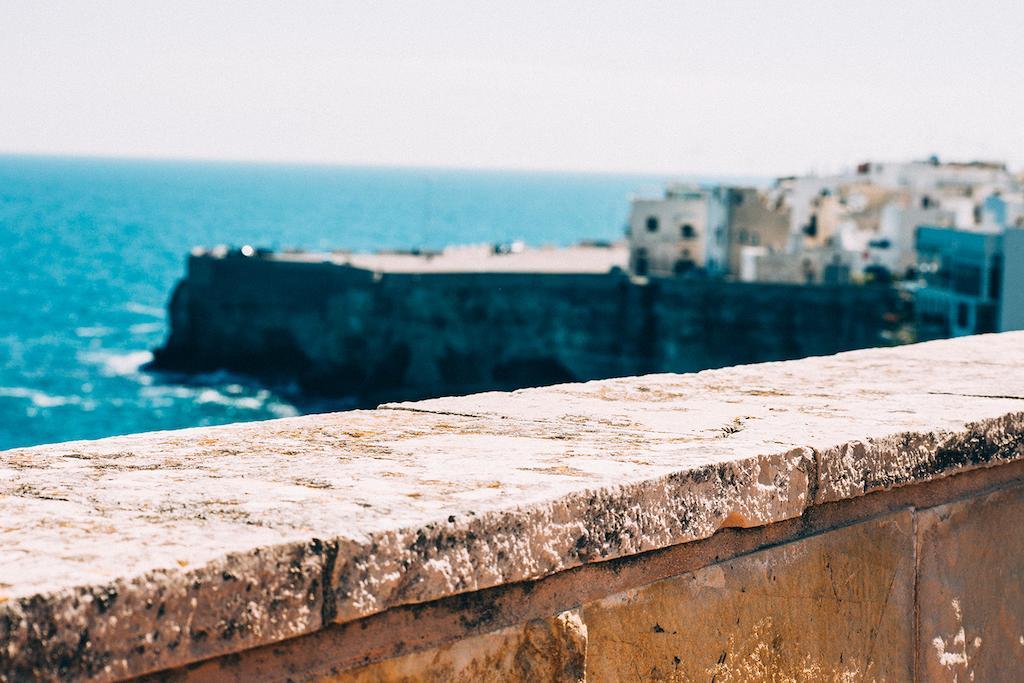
point(131, 554)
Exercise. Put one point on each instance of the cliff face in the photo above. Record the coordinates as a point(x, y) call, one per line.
point(343, 331)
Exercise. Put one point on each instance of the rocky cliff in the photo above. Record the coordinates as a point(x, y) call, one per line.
point(339, 330)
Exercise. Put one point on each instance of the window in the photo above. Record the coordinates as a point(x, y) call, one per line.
point(755, 238)
point(640, 262)
point(995, 277)
point(984, 318)
point(811, 229)
point(687, 231)
point(967, 279)
point(682, 266)
point(652, 224)
point(962, 315)
point(743, 236)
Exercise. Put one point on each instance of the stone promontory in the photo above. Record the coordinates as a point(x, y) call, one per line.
point(848, 517)
point(364, 329)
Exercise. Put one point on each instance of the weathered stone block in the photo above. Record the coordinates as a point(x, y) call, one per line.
point(249, 535)
point(857, 467)
point(837, 606)
point(553, 649)
point(142, 623)
point(971, 589)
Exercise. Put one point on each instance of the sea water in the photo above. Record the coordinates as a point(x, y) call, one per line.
point(90, 250)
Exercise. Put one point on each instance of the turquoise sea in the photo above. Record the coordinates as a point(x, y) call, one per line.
point(90, 249)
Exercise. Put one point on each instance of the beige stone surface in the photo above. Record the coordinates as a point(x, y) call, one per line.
point(332, 517)
point(384, 508)
point(971, 589)
point(873, 418)
point(834, 607)
point(141, 623)
point(551, 650)
point(477, 258)
point(579, 258)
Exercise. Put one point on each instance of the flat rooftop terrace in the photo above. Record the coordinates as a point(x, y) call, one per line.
point(581, 258)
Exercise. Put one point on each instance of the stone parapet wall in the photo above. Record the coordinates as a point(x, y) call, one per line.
point(850, 517)
point(872, 590)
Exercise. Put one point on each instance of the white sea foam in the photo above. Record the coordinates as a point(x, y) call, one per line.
point(214, 390)
point(257, 402)
point(94, 331)
point(165, 392)
point(142, 309)
point(282, 409)
point(39, 399)
point(116, 364)
point(145, 328)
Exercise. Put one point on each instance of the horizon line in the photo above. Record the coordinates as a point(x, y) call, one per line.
point(659, 175)
point(700, 176)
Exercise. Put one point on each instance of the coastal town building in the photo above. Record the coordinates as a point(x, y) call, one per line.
point(962, 272)
point(823, 265)
point(758, 226)
point(1011, 305)
point(872, 214)
point(683, 233)
point(1003, 210)
point(856, 226)
point(973, 282)
point(705, 231)
point(895, 248)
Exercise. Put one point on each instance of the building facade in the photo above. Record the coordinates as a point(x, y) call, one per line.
point(962, 273)
point(704, 231)
point(858, 226)
point(1011, 305)
point(758, 224)
point(683, 233)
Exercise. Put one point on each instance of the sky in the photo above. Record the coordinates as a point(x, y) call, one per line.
point(714, 87)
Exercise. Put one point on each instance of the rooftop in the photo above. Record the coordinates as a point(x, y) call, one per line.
point(511, 257)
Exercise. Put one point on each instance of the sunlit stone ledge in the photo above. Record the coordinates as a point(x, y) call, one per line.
point(135, 554)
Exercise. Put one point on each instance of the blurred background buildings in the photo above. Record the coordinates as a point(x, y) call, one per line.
point(950, 232)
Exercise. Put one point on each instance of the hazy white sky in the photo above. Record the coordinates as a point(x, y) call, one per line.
point(718, 86)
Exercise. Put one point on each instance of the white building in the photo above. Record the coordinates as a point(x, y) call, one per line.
point(933, 175)
point(682, 233)
point(873, 213)
point(1002, 210)
point(859, 226)
point(895, 247)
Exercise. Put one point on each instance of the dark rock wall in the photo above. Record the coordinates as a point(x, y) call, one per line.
point(344, 332)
